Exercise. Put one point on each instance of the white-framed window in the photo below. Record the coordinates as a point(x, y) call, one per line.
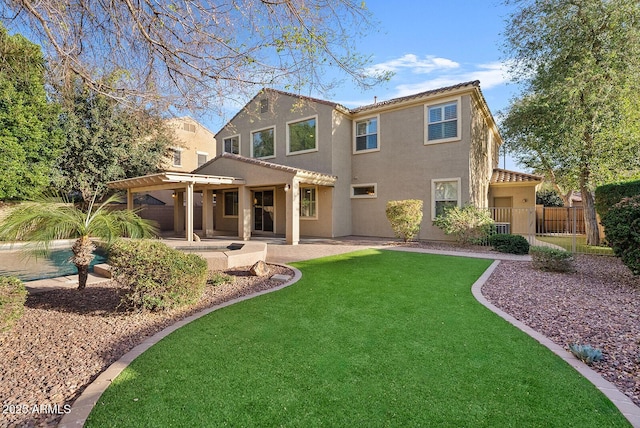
point(230, 205)
point(308, 202)
point(443, 122)
point(177, 157)
point(202, 158)
point(302, 136)
point(366, 137)
point(231, 144)
point(445, 193)
point(363, 191)
point(263, 143)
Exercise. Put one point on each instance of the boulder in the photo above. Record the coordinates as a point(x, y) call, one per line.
point(259, 268)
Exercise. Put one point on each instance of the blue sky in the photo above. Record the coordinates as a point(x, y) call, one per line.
point(430, 45)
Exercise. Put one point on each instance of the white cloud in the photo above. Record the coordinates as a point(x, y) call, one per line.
point(414, 64)
point(489, 75)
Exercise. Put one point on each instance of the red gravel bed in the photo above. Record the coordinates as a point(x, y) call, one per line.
point(598, 305)
point(66, 338)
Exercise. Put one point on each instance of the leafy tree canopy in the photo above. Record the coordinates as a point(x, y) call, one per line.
point(577, 120)
point(29, 141)
point(105, 142)
point(194, 53)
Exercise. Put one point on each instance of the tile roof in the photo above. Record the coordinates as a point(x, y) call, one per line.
point(475, 83)
point(505, 176)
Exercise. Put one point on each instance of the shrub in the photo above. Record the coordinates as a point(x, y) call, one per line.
point(219, 278)
point(549, 198)
point(552, 259)
point(469, 225)
point(586, 353)
point(513, 244)
point(405, 218)
point(156, 276)
point(12, 298)
point(610, 194)
point(622, 230)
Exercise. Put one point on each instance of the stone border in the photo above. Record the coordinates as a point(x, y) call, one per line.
point(621, 401)
point(83, 405)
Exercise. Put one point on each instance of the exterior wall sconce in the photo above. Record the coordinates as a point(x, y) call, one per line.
point(287, 187)
point(524, 201)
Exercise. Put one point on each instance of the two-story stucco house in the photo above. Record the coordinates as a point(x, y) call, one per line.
point(298, 166)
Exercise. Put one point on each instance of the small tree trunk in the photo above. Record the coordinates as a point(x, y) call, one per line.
point(83, 275)
point(590, 219)
point(82, 256)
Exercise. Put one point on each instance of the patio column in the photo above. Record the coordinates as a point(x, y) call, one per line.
point(207, 212)
point(129, 200)
point(244, 213)
point(189, 212)
point(178, 212)
point(293, 213)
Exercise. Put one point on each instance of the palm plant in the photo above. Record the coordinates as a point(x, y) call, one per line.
point(41, 222)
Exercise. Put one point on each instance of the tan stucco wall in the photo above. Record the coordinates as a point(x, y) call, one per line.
point(523, 204)
point(405, 166)
point(191, 143)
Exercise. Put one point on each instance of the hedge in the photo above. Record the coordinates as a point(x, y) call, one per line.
point(610, 194)
point(155, 276)
point(405, 217)
point(513, 244)
point(622, 230)
point(12, 298)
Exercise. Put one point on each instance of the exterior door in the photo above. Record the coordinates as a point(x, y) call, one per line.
point(263, 211)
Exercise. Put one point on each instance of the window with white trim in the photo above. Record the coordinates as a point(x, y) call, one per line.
point(202, 158)
point(366, 135)
point(445, 194)
point(308, 202)
point(302, 136)
point(230, 204)
point(442, 122)
point(361, 191)
point(231, 145)
point(263, 143)
point(177, 157)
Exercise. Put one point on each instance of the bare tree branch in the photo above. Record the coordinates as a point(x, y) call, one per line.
point(194, 53)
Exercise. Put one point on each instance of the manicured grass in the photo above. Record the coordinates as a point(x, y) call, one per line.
point(566, 242)
point(372, 338)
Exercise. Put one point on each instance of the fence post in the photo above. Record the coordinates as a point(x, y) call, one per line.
point(574, 231)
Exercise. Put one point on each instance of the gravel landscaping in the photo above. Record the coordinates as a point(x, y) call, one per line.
point(66, 338)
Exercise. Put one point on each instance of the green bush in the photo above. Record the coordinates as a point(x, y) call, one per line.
point(405, 218)
point(156, 276)
point(552, 259)
point(469, 225)
point(610, 194)
point(622, 230)
point(12, 298)
point(513, 244)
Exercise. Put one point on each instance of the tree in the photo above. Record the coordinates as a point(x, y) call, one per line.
point(44, 221)
point(577, 120)
point(29, 141)
point(106, 142)
point(192, 52)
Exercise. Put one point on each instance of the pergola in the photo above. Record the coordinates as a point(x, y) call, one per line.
point(185, 185)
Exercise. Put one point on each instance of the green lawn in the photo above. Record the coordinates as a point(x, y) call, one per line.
point(372, 338)
point(566, 242)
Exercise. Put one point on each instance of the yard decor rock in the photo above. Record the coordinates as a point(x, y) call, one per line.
point(259, 268)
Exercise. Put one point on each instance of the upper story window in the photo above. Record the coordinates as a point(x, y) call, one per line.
point(189, 127)
point(264, 105)
point(302, 136)
point(177, 157)
point(366, 135)
point(308, 203)
point(231, 145)
point(445, 193)
point(202, 158)
point(263, 143)
point(443, 123)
